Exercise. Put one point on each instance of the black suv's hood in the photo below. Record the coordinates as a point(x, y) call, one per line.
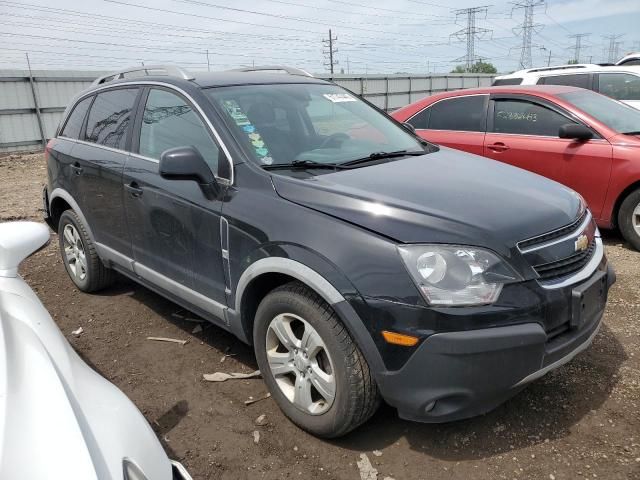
point(443, 197)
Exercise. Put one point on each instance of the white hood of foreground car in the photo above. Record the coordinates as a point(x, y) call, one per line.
point(58, 418)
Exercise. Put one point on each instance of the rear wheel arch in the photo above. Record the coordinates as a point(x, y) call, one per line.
point(59, 201)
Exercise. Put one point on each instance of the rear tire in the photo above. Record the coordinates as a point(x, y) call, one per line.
point(629, 219)
point(79, 255)
point(317, 375)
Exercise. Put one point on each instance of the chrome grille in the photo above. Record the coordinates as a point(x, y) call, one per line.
point(566, 266)
point(549, 236)
point(556, 255)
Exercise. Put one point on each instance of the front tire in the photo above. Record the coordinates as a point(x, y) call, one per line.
point(313, 368)
point(79, 255)
point(629, 219)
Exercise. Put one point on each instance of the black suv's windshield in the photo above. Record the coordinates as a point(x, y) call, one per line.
point(308, 124)
point(615, 115)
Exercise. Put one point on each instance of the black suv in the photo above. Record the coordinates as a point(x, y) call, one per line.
point(361, 262)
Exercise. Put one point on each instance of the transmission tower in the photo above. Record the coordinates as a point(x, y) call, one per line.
point(614, 46)
point(329, 50)
point(577, 48)
point(526, 29)
point(470, 33)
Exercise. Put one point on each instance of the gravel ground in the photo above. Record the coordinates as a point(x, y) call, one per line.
point(580, 421)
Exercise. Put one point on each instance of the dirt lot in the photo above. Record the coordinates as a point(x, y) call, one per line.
point(581, 421)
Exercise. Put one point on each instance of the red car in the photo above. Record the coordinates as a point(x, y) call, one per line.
point(577, 137)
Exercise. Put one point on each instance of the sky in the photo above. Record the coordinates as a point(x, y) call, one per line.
point(372, 36)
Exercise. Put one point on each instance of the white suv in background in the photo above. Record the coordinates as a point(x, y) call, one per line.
point(621, 82)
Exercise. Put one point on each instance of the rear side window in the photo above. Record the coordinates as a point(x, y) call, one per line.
point(421, 119)
point(465, 114)
point(169, 121)
point(632, 61)
point(621, 86)
point(507, 81)
point(74, 123)
point(110, 116)
point(526, 118)
point(580, 80)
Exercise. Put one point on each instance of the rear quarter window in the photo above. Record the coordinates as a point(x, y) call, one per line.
point(581, 80)
point(74, 123)
point(506, 81)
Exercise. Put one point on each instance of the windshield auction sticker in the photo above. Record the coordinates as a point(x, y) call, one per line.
point(339, 97)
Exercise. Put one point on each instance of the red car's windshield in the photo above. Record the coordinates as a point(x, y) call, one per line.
point(615, 115)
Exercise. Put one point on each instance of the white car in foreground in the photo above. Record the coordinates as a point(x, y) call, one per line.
point(58, 418)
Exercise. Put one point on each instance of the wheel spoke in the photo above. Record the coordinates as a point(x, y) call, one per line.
point(302, 394)
point(282, 329)
point(311, 342)
point(68, 252)
point(68, 236)
point(279, 363)
point(82, 260)
point(324, 383)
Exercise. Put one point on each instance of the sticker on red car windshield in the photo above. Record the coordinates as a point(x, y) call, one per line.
point(339, 97)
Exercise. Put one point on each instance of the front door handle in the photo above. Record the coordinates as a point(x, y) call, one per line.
point(76, 168)
point(134, 189)
point(498, 147)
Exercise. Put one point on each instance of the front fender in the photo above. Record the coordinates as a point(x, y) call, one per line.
point(318, 274)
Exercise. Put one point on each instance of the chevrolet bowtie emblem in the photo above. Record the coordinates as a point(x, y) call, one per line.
point(582, 243)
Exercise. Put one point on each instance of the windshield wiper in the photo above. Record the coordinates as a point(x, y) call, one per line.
point(303, 164)
point(636, 132)
point(382, 155)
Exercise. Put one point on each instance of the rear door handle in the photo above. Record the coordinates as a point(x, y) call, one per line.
point(498, 147)
point(134, 189)
point(77, 169)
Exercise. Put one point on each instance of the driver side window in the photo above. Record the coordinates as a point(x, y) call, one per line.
point(169, 121)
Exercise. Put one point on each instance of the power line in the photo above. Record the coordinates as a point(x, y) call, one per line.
point(526, 29)
point(329, 54)
point(471, 33)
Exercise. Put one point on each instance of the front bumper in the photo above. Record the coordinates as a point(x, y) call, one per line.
point(456, 375)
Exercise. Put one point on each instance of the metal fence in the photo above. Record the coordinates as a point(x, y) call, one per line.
point(31, 104)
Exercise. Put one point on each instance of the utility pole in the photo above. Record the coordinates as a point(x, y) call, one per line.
point(43, 139)
point(208, 65)
point(577, 48)
point(330, 53)
point(471, 33)
point(614, 45)
point(548, 56)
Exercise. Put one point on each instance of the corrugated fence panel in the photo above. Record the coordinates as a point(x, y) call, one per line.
point(19, 128)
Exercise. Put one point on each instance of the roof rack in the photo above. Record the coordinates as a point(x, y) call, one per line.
point(559, 67)
point(274, 68)
point(169, 70)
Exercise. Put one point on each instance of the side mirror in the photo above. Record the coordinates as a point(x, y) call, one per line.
point(186, 163)
point(575, 132)
point(409, 127)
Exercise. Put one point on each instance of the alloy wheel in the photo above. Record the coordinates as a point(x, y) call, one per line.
point(74, 253)
point(300, 363)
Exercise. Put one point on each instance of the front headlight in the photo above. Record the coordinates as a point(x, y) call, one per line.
point(449, 275)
